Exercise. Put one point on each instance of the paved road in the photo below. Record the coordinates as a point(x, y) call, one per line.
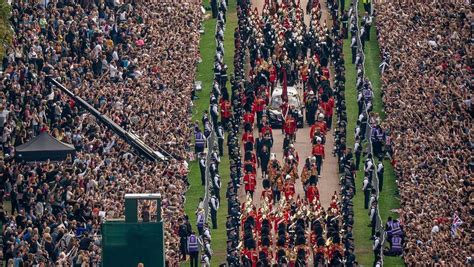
point(329, 181)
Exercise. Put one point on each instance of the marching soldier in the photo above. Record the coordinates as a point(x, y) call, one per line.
point(319, 125)
point(250, 183)
point(249, 118)
point(312, 193)
point(318, 152)
point(226, 112)
point(305, 173)
point(264, 158)
point(260, 104)
point(290, 127)
point(311, 107)
point(289, 188)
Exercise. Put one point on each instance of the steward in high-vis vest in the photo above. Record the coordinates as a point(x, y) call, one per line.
point(200, 221)
point(396, 247)
point(395, 229)
point(193, 249)
point(200, 141)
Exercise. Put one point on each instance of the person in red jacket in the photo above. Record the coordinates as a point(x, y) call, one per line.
point(289, 189)
point(226, 111)
point(326, 73)
point(248, 256)
point(328, 108)
point(267, 194)
point(250, 182)
point(254, 257)
point(249, 118)
point(330, 112)
point(248, 137)
point(266, 129)
point(312, 193)
point(318, 152)
point(320, 124)
point(290, 127)
point(260, 104)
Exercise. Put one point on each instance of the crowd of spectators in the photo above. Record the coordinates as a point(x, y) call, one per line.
point(136, 64)
point(427, 85)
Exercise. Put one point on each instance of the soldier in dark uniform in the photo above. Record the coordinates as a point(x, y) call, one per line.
point(311, 107)
point(214, 8)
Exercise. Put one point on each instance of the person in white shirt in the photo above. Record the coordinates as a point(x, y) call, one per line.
point(380, 169)
point(113, 71)
point(367, 22)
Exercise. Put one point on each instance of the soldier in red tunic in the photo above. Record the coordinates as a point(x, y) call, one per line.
point(248, 137)
point(226, 111)
point(318, 125)
point(249, 118)
point(289, 189)
point(250, 183)
point(260, 104)
point(267, 194)
point(312, 193)
point(290, 127)
point(318, 152)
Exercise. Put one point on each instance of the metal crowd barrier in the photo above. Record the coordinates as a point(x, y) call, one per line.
point(368, 130)
point(211, 148)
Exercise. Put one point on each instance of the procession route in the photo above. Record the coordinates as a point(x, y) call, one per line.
point(329, 181)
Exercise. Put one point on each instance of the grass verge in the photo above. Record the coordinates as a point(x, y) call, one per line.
point(206, 75)
point(388, 200)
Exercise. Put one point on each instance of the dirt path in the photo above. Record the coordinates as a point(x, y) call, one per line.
point(329, 181)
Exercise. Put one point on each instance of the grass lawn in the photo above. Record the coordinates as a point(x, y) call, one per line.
point(388, 198)
point(6, 34)
point(206, 75)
